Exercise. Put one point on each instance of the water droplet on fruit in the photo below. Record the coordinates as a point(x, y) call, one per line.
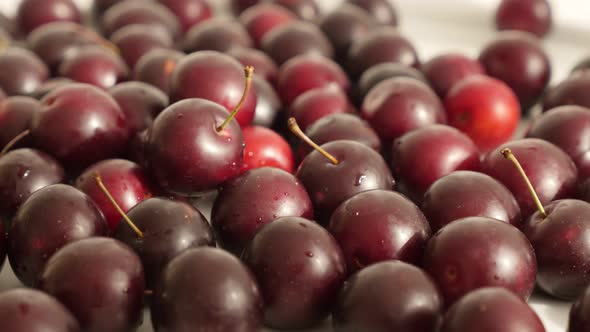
point(359, 179)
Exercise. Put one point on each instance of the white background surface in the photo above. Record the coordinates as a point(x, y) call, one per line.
point(435, 27)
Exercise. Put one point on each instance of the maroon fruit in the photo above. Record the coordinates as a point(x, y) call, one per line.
point(189, 12)
point(266, 148)
point(262, 18)
point(290, 40)
point(218, 34)
point(34, 13)
point(446, 70)
point(533, 16)
point(315, 104)
point(382, 10)
point(133, 41)
point(94, 65)
point(156, 68)
point(21, 71)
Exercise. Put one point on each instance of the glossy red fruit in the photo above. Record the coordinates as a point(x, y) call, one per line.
point(218, 34)
point(339, 126)
point(216, 77)
point(478, 252)
point(384, 44)
point(550, 170)
point(518, 59)
point(399, 105)
point(268, 103)
point(113, 270)
point(485, 109)
point(50, 85)
point(424, 155)
point(140, 102)
point(48, 220)
point(28, 310)
point(15, 117)
point(307, 10)
point(379, 73)
point(388, 296)
point(315, 104)
point(359, 169)
point(579, 321)
point(298, 292)
point(383, 11)
point(264, 17)
point(35, 13)
point(156, 68)
point(21, 71)
point(308, 72)
point(464, 194)
point(290, 40)
point(94, 65)
point(80, 124)
point(533, 16)
point(560, 246)
point(185, 135)
point(169, 227)
point(446, 70)
point(185, 295)
point(379, 225)
point(22, 172)
point(344, 25)
point(189, 12)
point(133, 41)
point(483, 309)
point(264, 66)
point(571, 91)
point(568, 127)
point(124, 179)
point(131, 12)
point(254, 199)
point(266, 148)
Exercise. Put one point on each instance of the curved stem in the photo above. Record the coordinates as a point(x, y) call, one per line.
point(248, 73)
point(104, 189)
point(507, 153)
point(13, 141)
point(296, 130)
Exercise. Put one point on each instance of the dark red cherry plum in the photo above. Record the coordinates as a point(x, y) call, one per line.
point(315, 104)
point(578, 317)
point(379, 73)
point(344, 25)
point(571, 91)
point(15, 117)
point(533, 16)
point(264, 17)
point(129, 12)
point(307, 10)
point(264, 65)
point(156, 67)
point(133, 41)
point(32, 14)
point(218, 34)
point(265, 148)
point(268, 103)
point(189, 12)
point(21, 71)
point(382, 10)
point(94, 65)
point(446, 70)
point(300, 270)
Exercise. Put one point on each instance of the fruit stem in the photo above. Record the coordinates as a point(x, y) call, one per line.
point(507, 153)
point(248, 73)
point(296, 130)
point(104, 189)
point(13, 141)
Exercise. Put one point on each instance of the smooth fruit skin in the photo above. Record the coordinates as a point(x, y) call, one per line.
point(32, 14)
point(125, 180)
point(571, 91)
point(264, 66)
point(28, 310)
point(300, 270)
point(579, 320)
point(360, 168)
point(485, 109)
point(339, 126)
point(344, 25)
point(207, 289)
point(307, 72)
point(478, 252)
point(152, 13)
point(263, 18)
point(22, 172)
point(561, 248)
point(383, 44)
point(186, 154)
point(382, 10)
point(533, 16)
point(518, 59)
point(48, 220)
point(379, 73)
point(424, 155)
point(399, 105)
point(101, 281)
point(94, 65)
point(379, 225)
point(568, 127)
point(216, 77)
point(266, 148)
point(388, 296)
point(446, 70)
point(254, 199)
point(268, 103)
point(491, 309)
point(15, 117)
point(297, 38)
point(156, 68)
point(551, 171)
point(80, 124)
point(133, 41)
point(189, 12)
point(464, 194)
point(169, 228)
point(218, 34)
point(21, 71)
point(140, 102)
point(315, 104)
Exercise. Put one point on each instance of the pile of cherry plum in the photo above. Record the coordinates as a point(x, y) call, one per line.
point(342, 175)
